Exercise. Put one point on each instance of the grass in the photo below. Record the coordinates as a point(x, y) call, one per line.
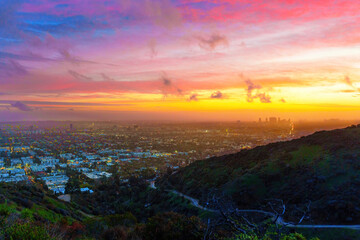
point(57, 204)
point(45, 213)
point(271, 168)
point(254, 182)
point(305, 154)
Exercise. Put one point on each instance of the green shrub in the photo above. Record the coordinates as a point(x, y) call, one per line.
point(20, 231)
point(115, 233)
point(293, 236)
point(126, 219)
point(272, 236)
point(94, 226)
point(6, 209)
point(26, 214)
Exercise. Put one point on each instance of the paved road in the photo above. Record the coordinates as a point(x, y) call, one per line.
point(279, 220)
point(193, 201)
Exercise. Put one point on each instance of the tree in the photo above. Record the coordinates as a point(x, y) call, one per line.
point(36, 160)
point(174, 226)
point(72, 186)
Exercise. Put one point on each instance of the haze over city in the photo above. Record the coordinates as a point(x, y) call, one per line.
point(179, 60)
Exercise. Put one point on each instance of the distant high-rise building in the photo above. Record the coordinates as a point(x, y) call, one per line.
point(272, 119)
point(71, 126)
point(259, 120)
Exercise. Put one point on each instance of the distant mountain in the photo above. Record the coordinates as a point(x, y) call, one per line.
point(322, 169)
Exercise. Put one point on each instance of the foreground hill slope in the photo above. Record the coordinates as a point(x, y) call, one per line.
point(322, 169)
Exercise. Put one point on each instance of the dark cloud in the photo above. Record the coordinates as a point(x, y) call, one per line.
point(166, 81)
point(250, 96)
point(68, 57)
point(21, 106)
point(264, 98)
point(168, 87)
point(71, 109)
point(217, 95)
point(193, 97)
point(213, 41)
point(79, 76)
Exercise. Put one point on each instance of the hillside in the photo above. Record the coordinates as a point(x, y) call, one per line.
point(322, 170)
point(117, 212)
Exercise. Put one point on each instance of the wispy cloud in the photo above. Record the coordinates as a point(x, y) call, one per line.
point(107, 78)
point(79, 76)
point(351, 84)
point(212, 41)
point(13, 68)
point(152, 46)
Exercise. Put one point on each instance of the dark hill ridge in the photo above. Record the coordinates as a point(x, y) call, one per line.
point(323, 168)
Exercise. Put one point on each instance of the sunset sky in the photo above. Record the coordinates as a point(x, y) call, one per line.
point(179, 59)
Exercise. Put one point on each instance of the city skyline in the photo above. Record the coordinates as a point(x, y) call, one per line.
point(178, 60)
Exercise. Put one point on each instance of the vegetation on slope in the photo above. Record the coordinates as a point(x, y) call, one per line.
point(321, 169)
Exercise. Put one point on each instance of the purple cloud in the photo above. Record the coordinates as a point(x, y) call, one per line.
point(217, 95)
point(152, 46)
point(21, 106)
point(250, 96)
point(193, 97)
point(168, 87)
point(14, 68)
point(79, 76)
point(213, 41)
